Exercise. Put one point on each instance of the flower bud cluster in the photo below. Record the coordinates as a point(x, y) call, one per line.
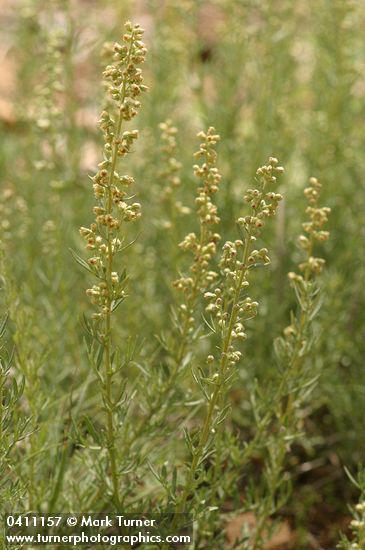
point(229, 304)
point(318, 217)
point(210, 176)
point(111, 189)
point(263, 204)
point(204, 247)
point(123, 76)
point(312, 266)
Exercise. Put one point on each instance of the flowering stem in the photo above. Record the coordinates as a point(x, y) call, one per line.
point(124, 81)
point(214, 398)
point(107, 343)
point(231, 308)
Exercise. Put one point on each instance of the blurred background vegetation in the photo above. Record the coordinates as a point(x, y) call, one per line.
point(274, 78)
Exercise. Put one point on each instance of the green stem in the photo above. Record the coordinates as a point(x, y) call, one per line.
point(111, 435)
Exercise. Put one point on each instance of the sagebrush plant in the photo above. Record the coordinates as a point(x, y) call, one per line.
point(229, 307)
point(159, 411)
point(298, 371)
point(106, 237)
